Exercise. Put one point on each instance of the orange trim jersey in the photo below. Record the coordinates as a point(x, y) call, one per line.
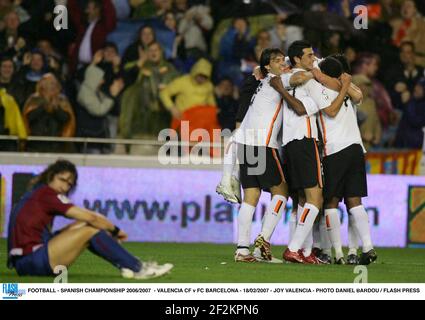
point(263, 121)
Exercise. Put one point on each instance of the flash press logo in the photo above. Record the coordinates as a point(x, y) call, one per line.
point(12, 291)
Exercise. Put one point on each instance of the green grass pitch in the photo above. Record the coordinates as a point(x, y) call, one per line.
point(211, 263)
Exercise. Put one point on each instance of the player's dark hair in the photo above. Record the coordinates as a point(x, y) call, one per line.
point(296, 50)
point(331, 67)
point(343, 60)
point(266, 56)
point(60, 166)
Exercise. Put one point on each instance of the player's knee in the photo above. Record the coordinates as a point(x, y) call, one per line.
point(89, 231)
point(252, 196)
point(281, 190)
point(331, 204)
point(317, 200)
point(353, 202)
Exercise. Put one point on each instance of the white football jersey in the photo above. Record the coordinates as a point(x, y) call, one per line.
point(341, 131)
point(297, 127)
point(263, 121)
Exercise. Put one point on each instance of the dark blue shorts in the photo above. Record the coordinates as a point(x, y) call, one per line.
point(34, 264)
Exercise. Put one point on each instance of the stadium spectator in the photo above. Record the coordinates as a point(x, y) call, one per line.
point(196, 21)
point(48, 113)
point(370, 127)
point(110, 64)
point(8, 5)
point(351, 55)
point(92, 31)
point(34, 66)
point(283, 35)
point(226, 96)
point(332, 44)
point(41, 23)
point(13, 40)
point(112, 67)
point(137, 51)
point(390, 10)
point(188, 91)
point(403, 77)
point(54, 58)
point(11, 122)
point(122, 9)
point(142, 114)
point(95, 104)
point(150, 8)
point(410, 27)
point(410, 131)
point(236, 44)
point(180, 8)
point(33, 249)
point(178, 50)
point(8, 81)
point(368, 65)
point(263, 41)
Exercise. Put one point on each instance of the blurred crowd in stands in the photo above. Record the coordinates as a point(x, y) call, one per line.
point(131, 68)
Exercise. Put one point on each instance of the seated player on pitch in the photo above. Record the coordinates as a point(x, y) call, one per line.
point(35, 251)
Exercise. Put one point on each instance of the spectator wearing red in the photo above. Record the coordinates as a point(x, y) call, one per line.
point(92, 30)
point(410, 27)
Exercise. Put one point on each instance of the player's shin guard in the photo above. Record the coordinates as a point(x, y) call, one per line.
point(272, 216)
point(362, 223)
point(245, 215)
point(106, 247)
point(333, 225)
point(305, 224)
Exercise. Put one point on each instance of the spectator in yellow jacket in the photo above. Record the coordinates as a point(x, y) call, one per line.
point(191, 90)
point(11, 122)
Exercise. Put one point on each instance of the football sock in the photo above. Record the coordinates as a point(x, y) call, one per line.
point(299, 212)
point(361, 219)
point(353, 238)
point(308, 244)
point(292, 224)
point(316, 235)
point(305, 224)
point(106, 247)
point(245, 216)
point(333, 225)
point(272, 216)
point(325, 242)
point(229, 161)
